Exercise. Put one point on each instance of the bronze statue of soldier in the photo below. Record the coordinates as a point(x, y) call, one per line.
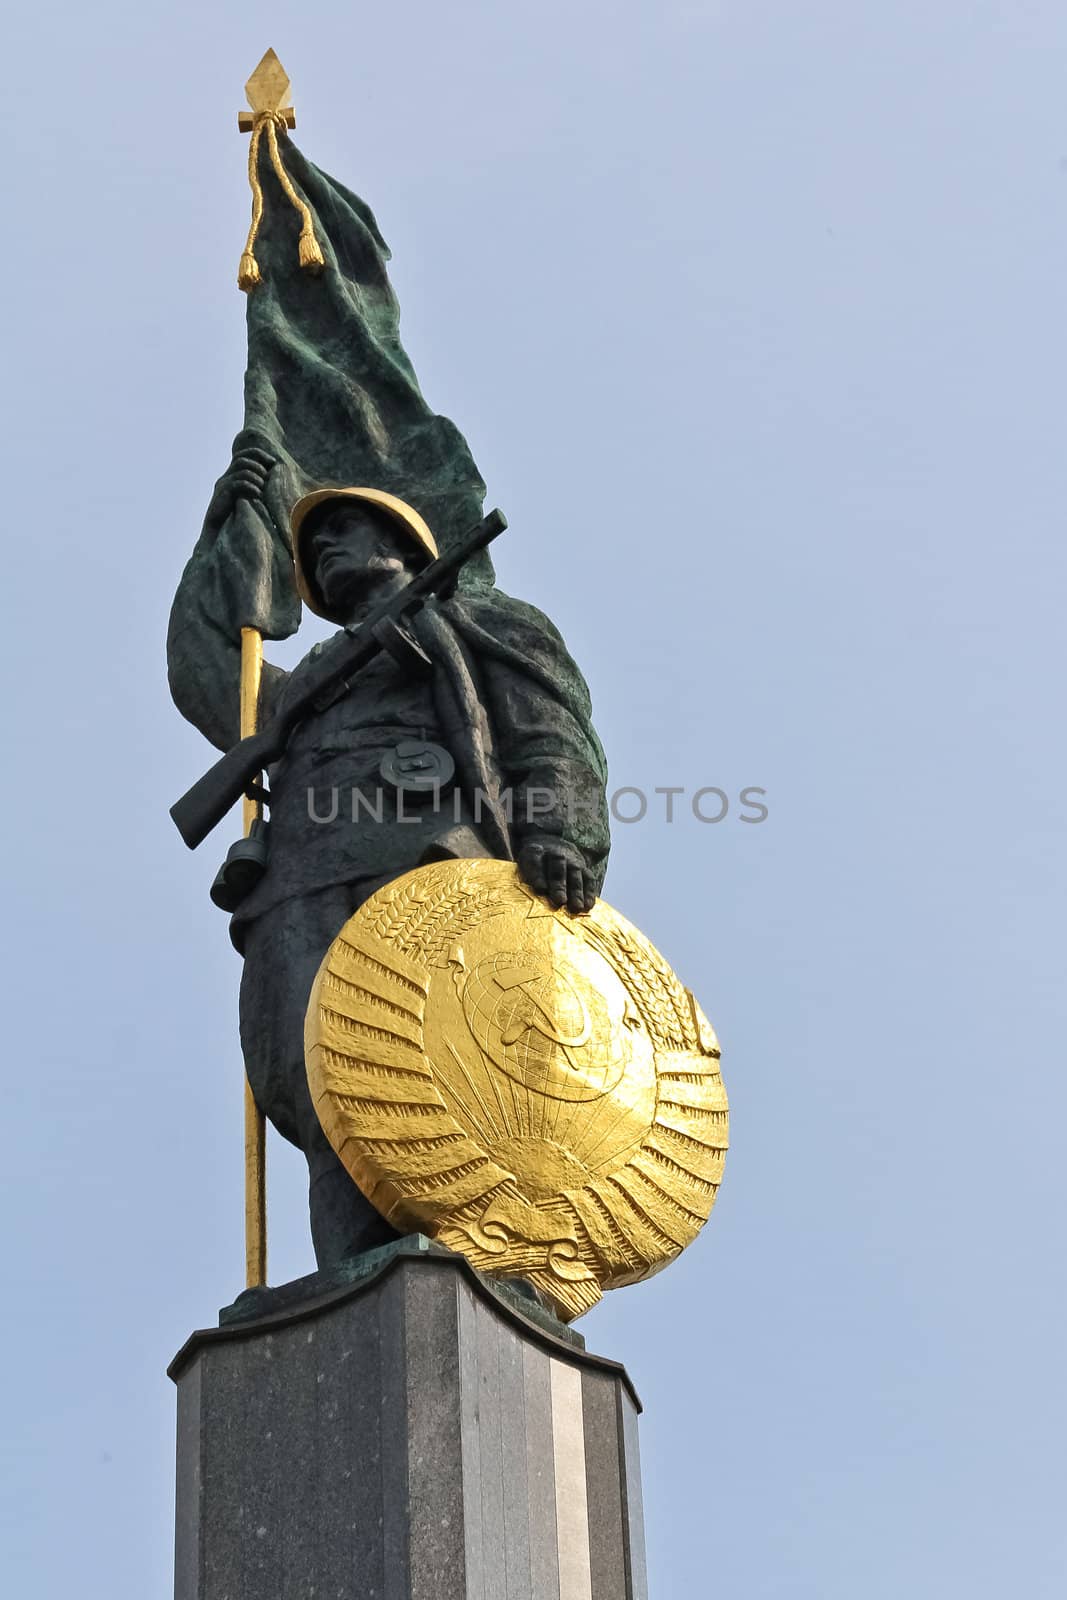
point(473, 738)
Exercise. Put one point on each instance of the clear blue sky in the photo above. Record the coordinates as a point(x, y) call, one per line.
point(754, 317)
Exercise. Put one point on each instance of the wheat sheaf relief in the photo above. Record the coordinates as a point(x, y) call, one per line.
point(535, 1090)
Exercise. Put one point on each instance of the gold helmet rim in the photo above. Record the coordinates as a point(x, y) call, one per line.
point(404, 515)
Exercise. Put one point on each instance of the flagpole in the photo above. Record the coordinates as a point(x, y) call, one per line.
point(255, 1128)
point(268, 95)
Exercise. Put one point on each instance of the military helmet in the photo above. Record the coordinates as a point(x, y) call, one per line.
point(403, 515)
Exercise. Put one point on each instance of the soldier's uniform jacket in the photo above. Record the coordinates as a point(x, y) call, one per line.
point(503, 697)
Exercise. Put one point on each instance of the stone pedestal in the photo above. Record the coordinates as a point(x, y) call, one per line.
point(402, 1430)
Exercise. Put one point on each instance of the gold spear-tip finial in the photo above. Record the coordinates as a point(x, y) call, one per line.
point(267, 90)
point(268, 95)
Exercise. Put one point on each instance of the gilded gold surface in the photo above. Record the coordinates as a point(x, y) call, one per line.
point(255, 1128)
point(268, 87)
point(268, 94)
point(535, 1090)
point(255, 1192)
point(251, 677)
point(406, 517)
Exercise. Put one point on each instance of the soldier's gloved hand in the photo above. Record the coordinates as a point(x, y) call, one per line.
point(557, 870)
point(244, 479)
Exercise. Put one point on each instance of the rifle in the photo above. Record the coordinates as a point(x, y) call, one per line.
point(235, 774)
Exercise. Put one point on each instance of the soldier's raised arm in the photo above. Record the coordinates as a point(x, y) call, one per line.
point(239, 576)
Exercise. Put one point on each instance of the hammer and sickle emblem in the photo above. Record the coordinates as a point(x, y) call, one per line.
point(535, 1014)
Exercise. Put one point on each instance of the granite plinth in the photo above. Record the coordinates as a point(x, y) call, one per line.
point(408, 1434)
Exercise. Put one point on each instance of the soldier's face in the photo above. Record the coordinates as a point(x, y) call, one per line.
point(353, 551)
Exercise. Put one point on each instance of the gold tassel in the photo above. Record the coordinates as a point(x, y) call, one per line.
point(248, 273)
point(311, 257)
point(310, 251)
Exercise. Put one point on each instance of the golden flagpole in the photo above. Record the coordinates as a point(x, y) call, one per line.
point(267, 91)
point(255, 1127)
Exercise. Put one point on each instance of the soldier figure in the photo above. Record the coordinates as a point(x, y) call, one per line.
point(472, 739)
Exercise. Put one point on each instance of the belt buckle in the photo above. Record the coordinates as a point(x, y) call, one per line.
point(417, 767)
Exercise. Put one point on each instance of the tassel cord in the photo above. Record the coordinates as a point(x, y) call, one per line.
point(310, 252)
point(249, 275)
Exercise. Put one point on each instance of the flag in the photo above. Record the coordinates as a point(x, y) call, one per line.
point(329, 388)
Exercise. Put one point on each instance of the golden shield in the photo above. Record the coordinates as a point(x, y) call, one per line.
point(533, 1089)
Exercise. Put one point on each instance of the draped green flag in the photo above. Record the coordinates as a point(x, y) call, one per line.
point(329, 388)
